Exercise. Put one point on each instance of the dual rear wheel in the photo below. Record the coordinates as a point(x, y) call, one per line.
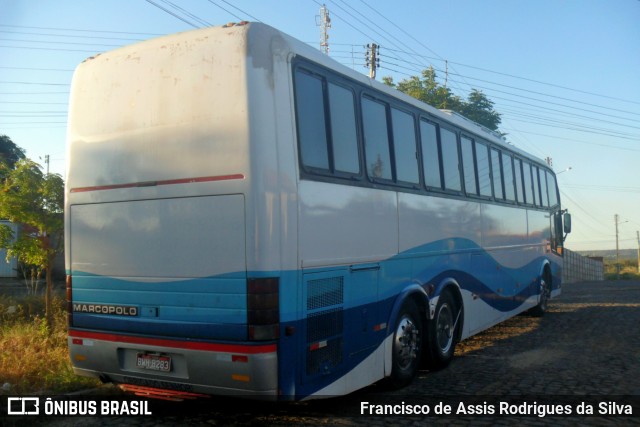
point(415, 338)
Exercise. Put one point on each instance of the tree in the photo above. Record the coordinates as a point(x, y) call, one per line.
point(36, 201)
point(426, 89)
point(10, 153)
point(477, 107)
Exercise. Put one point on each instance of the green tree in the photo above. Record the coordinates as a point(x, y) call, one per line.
point(426, 89)
point(10, 153)
point(477, 107)
point(36, 201)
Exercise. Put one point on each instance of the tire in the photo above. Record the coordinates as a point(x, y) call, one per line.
point(545, 296)
point(407, 345)
point(442, 333)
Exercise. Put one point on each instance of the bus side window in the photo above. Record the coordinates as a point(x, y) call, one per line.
point(344, 136)
point(507, 168)
point(518, 175)
point(468, 166)
point(450, 160)
point(430, 157)
point(535, 185)
point(497, 174)
point(544, 195)
point(528, 189)
point(404, 143)
point(310, 110)
point(553, 190)
point(484, 172)
point(376, 139)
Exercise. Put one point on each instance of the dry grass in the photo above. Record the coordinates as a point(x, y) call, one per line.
point(33, 357)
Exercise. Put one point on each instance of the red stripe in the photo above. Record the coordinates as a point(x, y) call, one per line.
point(188, 345)
point(156, 183)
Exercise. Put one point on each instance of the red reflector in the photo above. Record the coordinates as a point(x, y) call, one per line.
point(240, 358)
point(77, 341)
point(317, 345)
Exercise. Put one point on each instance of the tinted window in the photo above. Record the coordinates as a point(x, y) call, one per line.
point(526, 172)
point(507, 169)
point(450, 162)
point(404, 143)
point(497, 174)
point(343, 129)
point(468, 165)
point(535, 187)
point(553, 193)
point(519, 192)
point(376, 139)
point(311, 121)
point(543, 188)
point(484, 173)
point(430, 160)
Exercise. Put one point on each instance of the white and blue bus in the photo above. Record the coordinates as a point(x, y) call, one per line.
point(244, 216)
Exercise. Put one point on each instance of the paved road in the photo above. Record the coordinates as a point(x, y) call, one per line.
point(586, 348)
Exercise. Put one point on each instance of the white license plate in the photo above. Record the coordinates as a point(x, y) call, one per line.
point(153, 362)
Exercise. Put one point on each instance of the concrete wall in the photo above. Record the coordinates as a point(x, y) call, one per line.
point(578, 268)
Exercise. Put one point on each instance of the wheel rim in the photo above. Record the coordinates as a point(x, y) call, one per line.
point(544, 294)
point(444, 328)
point(406, 342)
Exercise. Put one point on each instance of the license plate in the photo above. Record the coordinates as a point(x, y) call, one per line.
point(153, 362)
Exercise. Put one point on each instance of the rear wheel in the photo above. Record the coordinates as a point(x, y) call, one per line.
point(545, 295)
point(407, 345)
point(441, 333)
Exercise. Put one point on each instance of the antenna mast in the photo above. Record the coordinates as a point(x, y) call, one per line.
point(325, 24)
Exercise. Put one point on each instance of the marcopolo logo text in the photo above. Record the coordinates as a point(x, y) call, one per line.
point(117, 310)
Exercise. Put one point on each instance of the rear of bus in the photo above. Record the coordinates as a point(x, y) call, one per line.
point(159, 178)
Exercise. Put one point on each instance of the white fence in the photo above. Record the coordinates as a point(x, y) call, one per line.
point(578, 268)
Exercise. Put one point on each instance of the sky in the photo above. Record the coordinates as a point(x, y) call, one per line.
point(564, 74)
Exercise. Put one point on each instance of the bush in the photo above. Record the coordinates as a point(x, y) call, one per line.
point(34, 356)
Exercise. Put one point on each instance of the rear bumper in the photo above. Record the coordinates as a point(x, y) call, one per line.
point(199, 367)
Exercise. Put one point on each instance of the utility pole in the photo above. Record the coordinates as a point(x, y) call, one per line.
point(325, 24)
point(46, 160)
point(638, 236)
point(372, 58)
point(615, 218)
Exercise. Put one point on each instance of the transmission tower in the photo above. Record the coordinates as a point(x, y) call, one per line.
point(324, 24)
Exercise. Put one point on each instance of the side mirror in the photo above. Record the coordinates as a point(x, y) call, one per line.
point(567, 223)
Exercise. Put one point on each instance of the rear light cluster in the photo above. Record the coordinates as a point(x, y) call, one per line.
point(263, 309)
point(69, 301)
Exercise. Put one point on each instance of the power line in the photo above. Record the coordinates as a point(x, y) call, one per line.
point(186, 12)
point(34, 83)
point(36, 69)
point(241, 11)
point(49, 48)
point(79, 30)
point(229, 12)
point(57, 42)
point(83, 36)
point(175, 15)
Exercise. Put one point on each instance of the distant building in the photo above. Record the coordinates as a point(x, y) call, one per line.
point(8, 268)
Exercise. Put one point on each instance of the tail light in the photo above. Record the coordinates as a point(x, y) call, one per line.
point(69, 301)
point(263, 309)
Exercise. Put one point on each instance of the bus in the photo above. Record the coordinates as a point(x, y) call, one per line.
point(245, 216)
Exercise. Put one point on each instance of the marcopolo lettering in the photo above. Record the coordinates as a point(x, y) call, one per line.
point(117, 310)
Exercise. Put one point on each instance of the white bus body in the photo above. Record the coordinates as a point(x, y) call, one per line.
point(204, 256)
